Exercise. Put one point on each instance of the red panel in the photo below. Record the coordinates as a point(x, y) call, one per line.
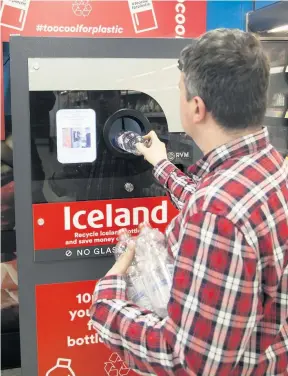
point(58, 225)
point(63, 331)
point(105, 19)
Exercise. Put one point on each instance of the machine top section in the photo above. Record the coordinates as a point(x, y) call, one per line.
point(146, 65)
point(101, 47)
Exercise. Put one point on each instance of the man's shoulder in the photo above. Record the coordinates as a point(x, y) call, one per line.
point(237, 188)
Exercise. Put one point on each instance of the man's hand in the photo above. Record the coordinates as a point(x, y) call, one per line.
point(155, 152)
point(122, 264)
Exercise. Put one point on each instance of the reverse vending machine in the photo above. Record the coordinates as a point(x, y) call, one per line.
point(75, 188)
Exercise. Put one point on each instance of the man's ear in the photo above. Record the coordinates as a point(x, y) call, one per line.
point(199, 109)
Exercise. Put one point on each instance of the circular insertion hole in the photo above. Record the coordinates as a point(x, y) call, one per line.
point(122, 121)
point(124, 124)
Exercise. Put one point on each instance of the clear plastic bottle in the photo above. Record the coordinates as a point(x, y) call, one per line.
point(124, 237)
point(135, 286)
point(62, 368)
point(152, 260)
point(136, 289)
point(127, 141)
point(155, 243)
point(159, 242)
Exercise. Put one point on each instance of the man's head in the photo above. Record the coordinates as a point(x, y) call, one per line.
point(224, 82)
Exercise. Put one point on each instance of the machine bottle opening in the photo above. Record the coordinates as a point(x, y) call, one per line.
point(123, 130)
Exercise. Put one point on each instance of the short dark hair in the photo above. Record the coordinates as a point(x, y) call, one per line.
point(229, 70)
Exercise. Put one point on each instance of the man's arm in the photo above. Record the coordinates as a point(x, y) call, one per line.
point(179, 186)
point(212, 309)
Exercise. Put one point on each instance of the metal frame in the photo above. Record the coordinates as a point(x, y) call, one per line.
point(30, 273)
point(275, 39)
point(266, 18)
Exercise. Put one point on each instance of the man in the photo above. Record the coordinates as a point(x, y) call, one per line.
point(228, 311)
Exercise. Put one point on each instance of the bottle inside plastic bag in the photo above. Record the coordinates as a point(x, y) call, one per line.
point(123, 239)
point(155, 266)
point(158, 244)
point(135, 285)
point(149, 278)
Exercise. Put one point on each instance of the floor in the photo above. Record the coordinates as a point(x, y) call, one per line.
point(11, 372)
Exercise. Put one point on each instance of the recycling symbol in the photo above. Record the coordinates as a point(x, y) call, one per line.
point(81, 8)
point(116, 366)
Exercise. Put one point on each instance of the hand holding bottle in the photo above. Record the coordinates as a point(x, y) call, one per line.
point(125, 252)
point(154, 151)
point(150, 272)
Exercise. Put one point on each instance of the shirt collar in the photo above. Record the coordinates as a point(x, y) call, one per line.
point(245, 145)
